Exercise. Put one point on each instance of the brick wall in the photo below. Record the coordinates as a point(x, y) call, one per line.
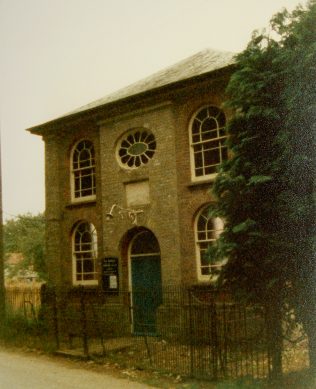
point(174, 199)
point(61, 213)
point(192, 195)
point(161, 214)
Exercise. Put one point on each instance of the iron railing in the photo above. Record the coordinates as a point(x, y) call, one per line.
point(189, 331)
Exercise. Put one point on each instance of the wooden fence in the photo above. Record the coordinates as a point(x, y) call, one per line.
point(24, 299)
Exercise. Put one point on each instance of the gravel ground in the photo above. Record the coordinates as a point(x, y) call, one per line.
point(31, 371)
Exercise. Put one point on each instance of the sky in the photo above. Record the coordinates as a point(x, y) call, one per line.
point(57, 55)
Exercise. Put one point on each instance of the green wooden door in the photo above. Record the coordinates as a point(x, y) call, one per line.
point(146, 282)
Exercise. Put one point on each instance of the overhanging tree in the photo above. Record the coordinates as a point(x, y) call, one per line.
point(266, 190)
point(25, 235)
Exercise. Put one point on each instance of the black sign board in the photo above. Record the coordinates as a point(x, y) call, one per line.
point(110, 274)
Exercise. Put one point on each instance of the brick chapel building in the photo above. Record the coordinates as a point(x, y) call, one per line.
point(128, 180)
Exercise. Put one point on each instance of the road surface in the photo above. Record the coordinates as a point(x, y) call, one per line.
point(29, 371)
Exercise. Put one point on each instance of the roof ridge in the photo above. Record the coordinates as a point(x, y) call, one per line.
point(112, 96)
point(202, 62)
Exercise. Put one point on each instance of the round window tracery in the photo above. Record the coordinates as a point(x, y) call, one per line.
point(136, 148)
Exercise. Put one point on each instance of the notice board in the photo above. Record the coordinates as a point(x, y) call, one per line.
point(110, 274)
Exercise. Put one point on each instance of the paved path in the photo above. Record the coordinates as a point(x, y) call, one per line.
point(19, 371)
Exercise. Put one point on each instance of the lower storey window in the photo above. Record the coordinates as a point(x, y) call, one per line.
point(84, 254)
point(207, 231)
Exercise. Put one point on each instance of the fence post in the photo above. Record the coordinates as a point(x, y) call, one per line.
point(275, 340)
point(214, 340)
point(55, 317)
point(84, 322)
point(191, 334)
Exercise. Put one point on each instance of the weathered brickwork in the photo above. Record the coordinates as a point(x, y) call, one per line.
point(192, 195)
point(61, 213)
point(161, 216)
point(173, 199)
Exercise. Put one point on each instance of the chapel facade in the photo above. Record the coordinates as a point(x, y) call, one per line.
point(128, 181)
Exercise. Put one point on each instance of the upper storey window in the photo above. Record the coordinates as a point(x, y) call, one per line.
point(83, 171)
point(136, 148)
point(207, 138)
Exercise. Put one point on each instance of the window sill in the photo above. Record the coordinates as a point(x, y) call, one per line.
point(81, 203)
point(201, 183)
point(204, 284)
point(88, 285)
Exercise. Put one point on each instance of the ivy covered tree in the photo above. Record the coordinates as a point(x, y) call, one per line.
point(25, 235)
point(266, 190)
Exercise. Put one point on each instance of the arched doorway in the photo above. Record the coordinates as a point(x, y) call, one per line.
point(145, 281)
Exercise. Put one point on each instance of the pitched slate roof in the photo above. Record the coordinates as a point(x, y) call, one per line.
point(203, 62)
point(206, 61)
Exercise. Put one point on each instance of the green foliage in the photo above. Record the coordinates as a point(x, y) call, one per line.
point(266, 191)
point(18, 330)
point(25, 235)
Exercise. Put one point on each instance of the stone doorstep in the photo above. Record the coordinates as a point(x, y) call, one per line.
point(115, 344)
point(77, 353)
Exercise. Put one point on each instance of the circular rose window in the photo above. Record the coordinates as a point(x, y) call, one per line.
point(136, 148)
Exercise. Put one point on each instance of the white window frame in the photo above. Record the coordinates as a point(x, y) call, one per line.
point(83, 250)
point(206, 144)
point(203, 238)
point(139, 136)
point(78, 173)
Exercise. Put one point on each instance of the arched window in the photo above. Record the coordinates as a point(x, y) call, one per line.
point(207, 231)
point(207, 139)
point(83, 171)
point(84, 253)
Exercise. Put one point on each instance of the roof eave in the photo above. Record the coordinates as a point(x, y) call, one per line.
point(42, 128)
